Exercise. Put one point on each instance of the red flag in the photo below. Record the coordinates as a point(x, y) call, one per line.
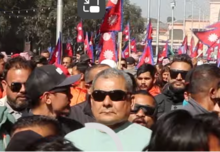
point(215, 25)
point(88, 48)
point(108, 49)
point(126, 32)
point(183, 48)
point(194, 53)
point(69, 50)
point(209, 52)
point(218, 56)
point(56, 55)
point(133, 45)
point(147, 56)
point(208, 37)
point(200, 49)
point(80, 36)
point(125, 53)
point(163, 54)
point(113, 19)
point(191, 48)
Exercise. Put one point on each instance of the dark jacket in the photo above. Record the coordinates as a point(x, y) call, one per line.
point(67, 125)
point(167, 101)
point(82, 113)
point(194, 108)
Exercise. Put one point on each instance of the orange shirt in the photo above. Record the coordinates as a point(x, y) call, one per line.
point(155, 90)
point(79, 95)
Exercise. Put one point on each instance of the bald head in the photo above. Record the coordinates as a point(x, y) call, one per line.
point(93, 71)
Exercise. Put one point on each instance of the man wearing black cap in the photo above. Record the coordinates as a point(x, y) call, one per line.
point(131, 66)
point(48, 93)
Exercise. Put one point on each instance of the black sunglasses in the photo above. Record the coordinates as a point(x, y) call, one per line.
point(174, 73)
point(148, 111)
point(15, 86)
point(115, 95)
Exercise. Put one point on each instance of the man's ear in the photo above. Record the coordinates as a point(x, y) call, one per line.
point(82, 77)
point(132, 101)
point(47, 98)
point(4, 84)
point(212, 93)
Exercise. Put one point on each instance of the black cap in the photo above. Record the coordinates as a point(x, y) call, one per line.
point(84, 58)
point(47, 78)
point(130, 60)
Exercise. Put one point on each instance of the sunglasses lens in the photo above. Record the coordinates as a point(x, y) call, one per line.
point(183, 74)
point(98, 95)
point(173, 74)
point(148, 111)
point(117, 95)
point(16, 87)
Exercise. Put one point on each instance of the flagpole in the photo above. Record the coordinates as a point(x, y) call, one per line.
point(199, 18)
point(158, 26)
point(173, 4)
point(119, 49)
point(184, 20)
point(148, 9)
point(129, 46)
point(192, 18)
point(59, 22)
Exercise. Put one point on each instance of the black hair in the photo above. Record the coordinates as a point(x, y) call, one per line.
point(142, 92)
point(134, 82)
point(182, 58)
point(201, 77)
point(40, 60)
point(147, 68)
point(52, 143)
point(179, 131)
point(90, 69)
point(71, 65)
point(82, 67)
point(17, 63)
point(36, 120)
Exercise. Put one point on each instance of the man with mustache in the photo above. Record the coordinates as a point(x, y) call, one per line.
point(173, 94)
point(146, 77)
point(15, 75)
point(111, 102)
point(143, 111)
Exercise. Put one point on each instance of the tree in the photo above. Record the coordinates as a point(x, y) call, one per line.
point(38, 23)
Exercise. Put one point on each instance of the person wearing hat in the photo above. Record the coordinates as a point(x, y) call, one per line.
point(131, 66)
point(48, 93)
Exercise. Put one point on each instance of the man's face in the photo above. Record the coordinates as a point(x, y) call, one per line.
point(108, 111)
point(178, 71)
point(66, 62)
point(145, 81)
point(46, 55)
point(15, 89)
point(143, 110)
point(123, 65)
point(60, 102)
point(2, 63)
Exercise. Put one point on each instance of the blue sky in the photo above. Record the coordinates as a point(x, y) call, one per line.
point(166, 10)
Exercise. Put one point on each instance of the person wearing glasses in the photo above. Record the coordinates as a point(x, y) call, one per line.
point(203, 88)
point(82, 112)
point(111, 102)
point(143, 111)
point(15, 76)
point(172, 96)
point(48, 93)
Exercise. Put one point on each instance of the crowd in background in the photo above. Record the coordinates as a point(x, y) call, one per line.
point(171, 106)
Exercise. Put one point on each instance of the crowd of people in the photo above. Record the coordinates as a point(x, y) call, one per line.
point(171, 106)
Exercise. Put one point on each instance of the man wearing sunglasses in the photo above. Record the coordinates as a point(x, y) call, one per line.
point(111, 102)
point(48, 93)
point(204, 90)
point(173, 95)
point(143, 111)
point(82, 112)
point(16, 73)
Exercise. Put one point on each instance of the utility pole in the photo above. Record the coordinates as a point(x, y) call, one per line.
point(59, 18)
point(184, 20)
point(158, 25)
point(172, 4)
point(148, 9)
point(192, 18)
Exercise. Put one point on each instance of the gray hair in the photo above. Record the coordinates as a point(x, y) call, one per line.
point(112, 73)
